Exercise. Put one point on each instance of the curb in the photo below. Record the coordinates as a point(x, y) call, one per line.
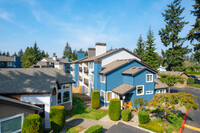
point(184, 120)
point(135, 126)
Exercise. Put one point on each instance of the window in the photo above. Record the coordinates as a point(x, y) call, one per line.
point(66, 86)
point(66, 96)
point(103, 78)
point(162, 91)
point(91, 78)
point(59, 97)
point(102, 95)
point(109, 96)
point(149, 78)
point(140, 90)
point(11, 124)
point(91, 64)
point(157, 91)
point(115, 95)
point(149, 92)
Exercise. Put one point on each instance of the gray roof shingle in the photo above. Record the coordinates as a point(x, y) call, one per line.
point(6, 59)
point(8, 100)
point(31, 80)
point(177, 73)
point(123, 89)
point(159, 84)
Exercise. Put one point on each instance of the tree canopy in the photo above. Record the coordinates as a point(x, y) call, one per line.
point(140, 50)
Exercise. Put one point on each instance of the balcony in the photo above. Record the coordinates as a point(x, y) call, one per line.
point(80, 69)
point(86, 82)
point(80, 78)
point(85, 70)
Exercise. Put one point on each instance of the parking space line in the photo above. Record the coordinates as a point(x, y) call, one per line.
point(191, 127)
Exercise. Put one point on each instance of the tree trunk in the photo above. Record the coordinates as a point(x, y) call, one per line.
point(169, 89)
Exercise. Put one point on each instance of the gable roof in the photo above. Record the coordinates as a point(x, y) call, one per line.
point(159, 84)
point(123, 89)
point(58, 60)
point(6, 58)
point(8, 100)
point(119, 63)
point(177, 73)
point(134, 70)
point(108, 53)
point(31, 80)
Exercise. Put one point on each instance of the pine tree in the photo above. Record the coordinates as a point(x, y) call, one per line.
point(54, 54)
point(8, 54)
point(74, 55)
point(86, 53)
point(194, 33)
point(29, 57)
point(67, 51)
point(37, 52)
point(4, 53)
point(170, 36)
point(20, 53)
point(0, 53)
point(46, 55)
point(140, 50)
point(15, 54)
point(150, 56)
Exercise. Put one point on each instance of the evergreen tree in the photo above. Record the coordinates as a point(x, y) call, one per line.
point(37, 52)
point(67, 51)
point(74, 55)
point(0, 53)
point(194, 33)
point(150, 56)
point(4, 53)
point(54, 54)
point(20, 53)
point(140, 50)
point(29, 57)
point(15, 54)
point(8, 54)
point(46, 55)
point(86, 53)
point(170, 36)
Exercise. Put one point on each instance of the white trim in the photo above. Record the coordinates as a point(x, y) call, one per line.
point(113, 94)
point(107, 96)
point(150, 92)
point(152, 77)
point(62, 92)
point(101, 77)
point(104, 96)
point(11, 117)
point(137, 89)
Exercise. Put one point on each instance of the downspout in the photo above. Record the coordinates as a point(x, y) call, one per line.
point(106, 91)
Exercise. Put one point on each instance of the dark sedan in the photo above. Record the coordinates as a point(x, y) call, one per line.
point(196, 78)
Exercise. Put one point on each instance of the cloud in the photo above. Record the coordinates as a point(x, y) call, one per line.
point(6, 16)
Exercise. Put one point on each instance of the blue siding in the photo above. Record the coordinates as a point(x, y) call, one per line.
point(128, 79)
point(76, 77)
point(97, 82)
point(81, 55)
point(17, 61)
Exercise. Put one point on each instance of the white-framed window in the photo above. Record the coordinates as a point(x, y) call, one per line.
point(162, 91)
point(140, 90)
point(115, 95)
point(109, 96)
point(91, 77)
point(103, 78)
point(64, 94)
point(149, 92)
point(11, 124)
point(157, 91)
point(91, 65)
point(102, 95)
point(149, 77)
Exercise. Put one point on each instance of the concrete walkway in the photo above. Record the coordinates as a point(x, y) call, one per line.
point(84, 122)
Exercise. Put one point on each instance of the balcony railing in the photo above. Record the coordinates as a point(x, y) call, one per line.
point(86, 81)
point(85, 70)
point(80, 78)
point(80, 69)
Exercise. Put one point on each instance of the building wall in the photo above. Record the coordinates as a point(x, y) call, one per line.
point(97, 82)
point(128, 79)
point(40, 99)
point(8, 110)
point(17, 61)
point(122, 54)
point(76, 76)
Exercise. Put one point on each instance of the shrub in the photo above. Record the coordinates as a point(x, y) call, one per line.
point(190, 80)
point(143, 117)
point(156, 110)
point(32, 124)
point(114, 109)
point(95, 99)
point(153, 126)
point(95, 129)
point(57, 117)
point(139, 103)
point(126, 115)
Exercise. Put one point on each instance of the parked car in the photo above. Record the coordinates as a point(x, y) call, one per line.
point(196, 78)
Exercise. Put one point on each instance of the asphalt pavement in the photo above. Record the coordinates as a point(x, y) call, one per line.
point(123, 128)
point(193, 118)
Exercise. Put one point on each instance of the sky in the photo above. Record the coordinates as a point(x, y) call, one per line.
point(82, 23)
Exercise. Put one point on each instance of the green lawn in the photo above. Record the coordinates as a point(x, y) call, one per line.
point(195, 85)
point(74, 129)
point(197, 73)
point(79, 110)
point(174, 123)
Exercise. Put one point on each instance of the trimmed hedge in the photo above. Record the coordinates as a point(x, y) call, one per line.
point(190, 80)
point(95, 129)
point(114, 109)
point(57, 117)
point(153, 126)
point(143, 117)
point(126, 115)
point(95, 99)
point(32, 124)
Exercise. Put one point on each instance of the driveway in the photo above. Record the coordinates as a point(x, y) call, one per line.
point(123, 128)
point(193, 118)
